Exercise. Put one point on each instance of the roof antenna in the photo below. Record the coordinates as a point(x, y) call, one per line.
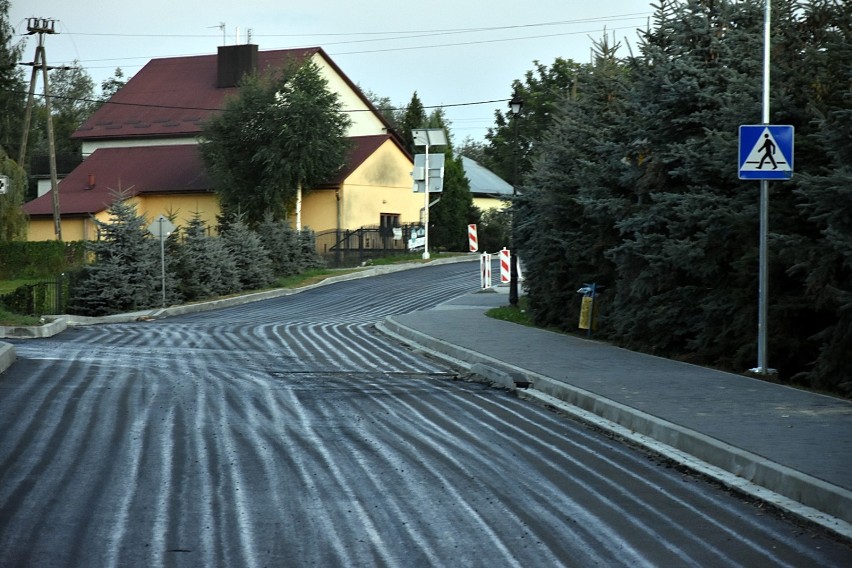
point(221, 26)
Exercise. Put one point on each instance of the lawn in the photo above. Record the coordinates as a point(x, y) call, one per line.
point(7, 286)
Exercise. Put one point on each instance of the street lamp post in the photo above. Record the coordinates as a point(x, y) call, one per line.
point(428, 137)
point(515, 106)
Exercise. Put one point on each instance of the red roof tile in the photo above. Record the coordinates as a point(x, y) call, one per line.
point(158, 169)
point(153, 169)
point(173, 96)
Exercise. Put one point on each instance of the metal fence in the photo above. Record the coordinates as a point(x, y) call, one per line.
point(347, 247)
point(41, 298)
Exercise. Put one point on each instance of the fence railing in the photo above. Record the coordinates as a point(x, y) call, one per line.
point(41, 298)
point(350, 247)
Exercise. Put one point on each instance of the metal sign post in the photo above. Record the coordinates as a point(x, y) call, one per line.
point(162, 228)
point(766, 153)
point(763, 283)
point(428, 137)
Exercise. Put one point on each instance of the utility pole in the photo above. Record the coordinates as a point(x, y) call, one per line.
point(42, 26)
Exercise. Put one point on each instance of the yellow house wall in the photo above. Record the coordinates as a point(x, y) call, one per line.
point(382, 184)
point(73, 229)
point(319, 210)
point(183, 205)
point(485, 203)
point(151, 206)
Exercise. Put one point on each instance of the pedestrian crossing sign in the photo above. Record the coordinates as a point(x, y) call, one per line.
point(766, 151)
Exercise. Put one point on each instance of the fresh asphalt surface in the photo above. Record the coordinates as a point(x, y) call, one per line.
point(795, 443)
point(288, 433)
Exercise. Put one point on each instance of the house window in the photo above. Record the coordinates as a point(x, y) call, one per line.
point(387, 222)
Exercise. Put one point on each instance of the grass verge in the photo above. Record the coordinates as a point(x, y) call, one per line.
point(10, 319)
point(515, 314)
point(309, 277)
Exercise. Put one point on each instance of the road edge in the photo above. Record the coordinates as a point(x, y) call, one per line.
point(810, 499)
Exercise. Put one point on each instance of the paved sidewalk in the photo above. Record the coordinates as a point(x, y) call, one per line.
point(755, 435)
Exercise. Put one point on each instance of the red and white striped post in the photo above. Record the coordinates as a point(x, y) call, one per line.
point(472, 238)
point(505, 265)
point(485, 270)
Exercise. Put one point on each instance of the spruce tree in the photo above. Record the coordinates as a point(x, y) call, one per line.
point(13, 221)
point(205, 269)
point(685, 272)
point(814, 240)
point(290, 251)
point(124, 275)
point(566, 207)
point(282, 244)
point(309, 257)
point(254, 269)
point(449, 217)
point(12, 87)
point(511, 140)
point(413, 118)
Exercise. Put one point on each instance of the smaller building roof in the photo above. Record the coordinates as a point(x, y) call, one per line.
point(147, 169)
point(157, 169)
point(484, 182)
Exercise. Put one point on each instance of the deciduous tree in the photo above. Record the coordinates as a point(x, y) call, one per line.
point(12, 88)
point(283, 132)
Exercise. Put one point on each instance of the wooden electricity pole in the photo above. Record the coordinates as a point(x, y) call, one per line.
point(42, 26)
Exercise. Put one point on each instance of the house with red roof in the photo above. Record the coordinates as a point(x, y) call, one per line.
point(144, 142)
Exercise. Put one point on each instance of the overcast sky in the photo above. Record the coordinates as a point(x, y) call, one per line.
point(453, 53)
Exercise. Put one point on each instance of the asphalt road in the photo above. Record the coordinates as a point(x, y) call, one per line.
point(289, 433)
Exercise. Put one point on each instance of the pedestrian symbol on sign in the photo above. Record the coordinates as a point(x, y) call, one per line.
point(766, 152)
point(769, 152)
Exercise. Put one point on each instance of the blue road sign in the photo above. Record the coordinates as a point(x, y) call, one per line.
point(766, 151)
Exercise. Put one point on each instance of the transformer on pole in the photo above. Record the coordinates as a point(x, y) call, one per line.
point(42, 27)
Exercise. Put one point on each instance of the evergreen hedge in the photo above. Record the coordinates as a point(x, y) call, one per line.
point(633, 184)
point(21, 259)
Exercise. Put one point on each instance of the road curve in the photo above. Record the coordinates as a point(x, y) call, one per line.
point(288, 433)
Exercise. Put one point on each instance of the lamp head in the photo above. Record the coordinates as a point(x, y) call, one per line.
point(516, 104)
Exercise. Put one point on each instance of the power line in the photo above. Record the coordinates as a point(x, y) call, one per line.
point(220, 109)
point(432, 33)
point(421, 33)
point(478, 42)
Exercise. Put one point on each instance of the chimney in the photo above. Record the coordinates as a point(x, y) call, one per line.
point(233, 62)
point(91, 180)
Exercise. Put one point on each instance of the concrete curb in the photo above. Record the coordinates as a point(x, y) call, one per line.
point(7, 350)
point(58, 325)
point(802, 495)
point(7, 355)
